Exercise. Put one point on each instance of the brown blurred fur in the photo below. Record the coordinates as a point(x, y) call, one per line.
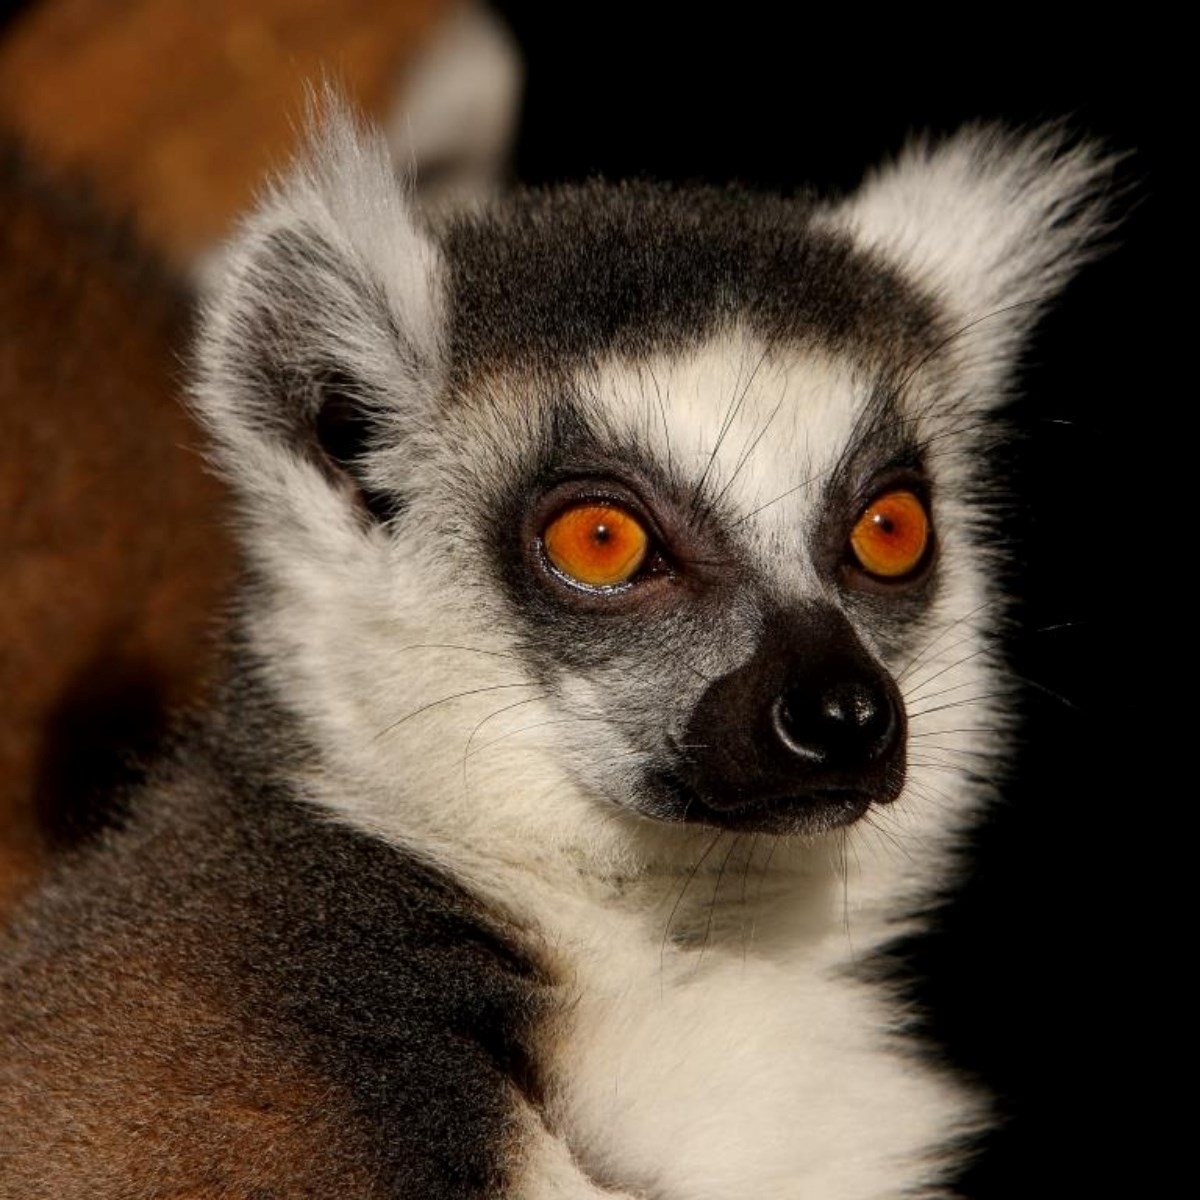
point(176, 111)
point(114, 557)
point(157, 1091)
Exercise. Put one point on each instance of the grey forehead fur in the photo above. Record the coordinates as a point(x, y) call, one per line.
point(566, 276)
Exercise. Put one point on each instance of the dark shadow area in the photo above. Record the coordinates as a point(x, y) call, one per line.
point(9, 11)
point(110, 720)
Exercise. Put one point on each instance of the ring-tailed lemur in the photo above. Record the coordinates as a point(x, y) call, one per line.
point(613, 679)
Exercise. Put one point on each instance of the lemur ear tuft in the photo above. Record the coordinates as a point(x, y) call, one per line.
point(992, 222)
point(321, 342)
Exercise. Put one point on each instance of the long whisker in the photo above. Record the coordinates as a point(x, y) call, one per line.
point(730, 417)
point(928, 733)
point(491, 716)
point(929, 647)
point(782, 496)
point(928, 712)
point(662, 409)
point(572, 720)
point(495, 687)
point(662, 953)
point(951, 666)
point(749, 450)
point(454, 646)
point(745, 882)
point(712, 904)
point(946, 691)
point(957, 333)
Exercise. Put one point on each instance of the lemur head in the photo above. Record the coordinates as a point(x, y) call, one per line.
point(615, 511)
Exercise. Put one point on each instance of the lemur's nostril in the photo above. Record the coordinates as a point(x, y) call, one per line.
point(811, 725)
point(845, 724)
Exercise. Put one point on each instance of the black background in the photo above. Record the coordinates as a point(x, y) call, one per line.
point(1042, 977)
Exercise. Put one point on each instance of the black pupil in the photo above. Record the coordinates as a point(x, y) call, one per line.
point(886, 524)
point(601, 534)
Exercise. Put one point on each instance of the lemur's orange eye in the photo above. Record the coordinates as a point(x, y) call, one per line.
point(891, 537)
point(596, 544)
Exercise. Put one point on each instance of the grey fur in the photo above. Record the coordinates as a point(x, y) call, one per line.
point(174, 986)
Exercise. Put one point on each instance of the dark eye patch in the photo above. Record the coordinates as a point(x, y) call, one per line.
point(884, 454)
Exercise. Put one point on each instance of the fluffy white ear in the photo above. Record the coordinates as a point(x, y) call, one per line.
point(320, 341)
point(994, 223)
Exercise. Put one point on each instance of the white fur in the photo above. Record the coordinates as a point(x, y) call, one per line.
point(995, 224)
point(715, 1041)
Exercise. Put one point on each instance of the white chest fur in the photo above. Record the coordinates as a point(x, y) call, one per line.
point(735, 1068)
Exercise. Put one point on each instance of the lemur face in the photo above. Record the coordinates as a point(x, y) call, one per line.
point(716, 559)
point(629, 500)
point(707, 500)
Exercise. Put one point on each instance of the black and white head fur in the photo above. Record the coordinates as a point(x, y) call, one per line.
point(648, 777)
point(706, 794)
point(405, 412)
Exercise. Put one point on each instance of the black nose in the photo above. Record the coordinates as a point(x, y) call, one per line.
point(807, 734)
point(846, 723)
